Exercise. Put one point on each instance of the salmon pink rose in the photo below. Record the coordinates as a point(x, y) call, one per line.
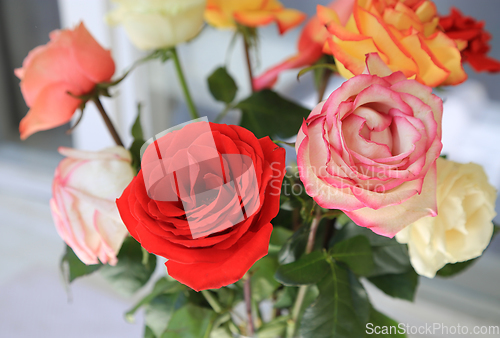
point(73, 61)
point(370, 149)
point(86, 185)
point(404, 33)
point(204, 199)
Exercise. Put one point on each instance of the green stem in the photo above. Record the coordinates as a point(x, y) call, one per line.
point(214, 303)
point(182, 80)
point(223, 113)
point(309, 248)
point(327, 73)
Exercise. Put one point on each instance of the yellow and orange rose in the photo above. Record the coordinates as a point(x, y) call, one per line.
point(406, 35)
point(251, 13)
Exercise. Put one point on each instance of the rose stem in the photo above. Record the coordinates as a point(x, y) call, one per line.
point(309, 249)
point(324, 83)
point(330, 231)
point(247, 292)
point(214, 303)
point(107, 121)
point(182, 80)
point(249, 61)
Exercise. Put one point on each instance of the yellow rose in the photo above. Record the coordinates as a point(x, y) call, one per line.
point(251, 13)
point(463, 227)
point(404, 33)
point(153, 24)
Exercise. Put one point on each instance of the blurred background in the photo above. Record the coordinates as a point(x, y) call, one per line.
point(33, 299)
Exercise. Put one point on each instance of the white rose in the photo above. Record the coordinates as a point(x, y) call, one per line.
point(153, 24)
point(463, 227)
point(85, 188)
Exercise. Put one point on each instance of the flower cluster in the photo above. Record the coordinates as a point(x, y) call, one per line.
point(213, 199)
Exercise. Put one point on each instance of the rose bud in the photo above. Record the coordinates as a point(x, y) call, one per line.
point(86, 185)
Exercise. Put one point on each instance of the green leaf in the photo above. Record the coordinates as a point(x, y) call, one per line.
point(323, 66)
point(160, 310)
point(279, 237)
point(450, 270)
point(389, 256)
point(221, 332)
point(341, 310)
point(294, 247)
point(72, 267)
point(222, 86)
point(263, 282)
point(137, 143)
point(190, 321)
point(229, 295)
point(265, 113)
point(402, 285)
point(356, 252)
point(309, 269)
point(148, 333)
point(162, 285)
point(387, 327)
point(136, 130)
point(129, 274)
point(274, 328)
point(286, 297)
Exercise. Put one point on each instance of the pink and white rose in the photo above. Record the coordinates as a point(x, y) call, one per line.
point(370, 149)
point(85, 188)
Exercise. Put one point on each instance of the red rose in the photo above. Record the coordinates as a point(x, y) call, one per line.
point(472, 40)
point(207, 209)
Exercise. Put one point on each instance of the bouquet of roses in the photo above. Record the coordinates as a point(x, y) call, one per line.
point(254, 245)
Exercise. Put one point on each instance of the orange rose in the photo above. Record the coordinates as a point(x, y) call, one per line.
point(309, 46)
point(251, 13)
point(403, 32)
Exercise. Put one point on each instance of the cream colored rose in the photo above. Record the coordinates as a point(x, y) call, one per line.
point(463, 227)
point(153, 24)
point(85, 188)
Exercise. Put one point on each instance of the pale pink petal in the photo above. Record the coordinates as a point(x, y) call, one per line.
point(381, 98)
point(325, 195)
point(424, 93)
point(390, 220)
point(384, 198)
point(376, 66)
point(351, 129)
